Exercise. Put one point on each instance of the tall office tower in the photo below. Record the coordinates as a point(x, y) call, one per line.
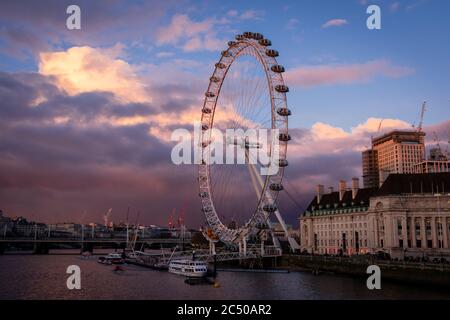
point(398, 152)
point(371, 177)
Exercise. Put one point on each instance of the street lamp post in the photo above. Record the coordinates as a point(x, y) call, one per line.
point(82, 238)
point(35, 236)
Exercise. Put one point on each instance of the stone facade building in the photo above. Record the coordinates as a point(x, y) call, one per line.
point(409, 216)
point(336, 222)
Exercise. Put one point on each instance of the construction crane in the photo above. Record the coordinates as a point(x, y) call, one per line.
point(438, 143)
point(422, 114)
point(445, 152)
point(171, 224)
point(379, 126)
point(181, 216)
point(448, 143)
point(377, 134)
point(441, 154)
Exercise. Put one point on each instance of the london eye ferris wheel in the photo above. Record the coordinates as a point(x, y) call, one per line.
point(246, 91)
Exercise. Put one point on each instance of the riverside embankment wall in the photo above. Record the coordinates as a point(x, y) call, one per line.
point(428, 274)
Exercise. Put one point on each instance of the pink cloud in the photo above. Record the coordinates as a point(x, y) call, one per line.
point(88, 69)
point(181, 26)
point(309, 76)
point(252, 15)
point(324, 138)
point(190, 35)
point(334, 23)
point(232, 13)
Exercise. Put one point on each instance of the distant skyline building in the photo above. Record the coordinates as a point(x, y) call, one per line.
point(371, 178)
point(394, 152)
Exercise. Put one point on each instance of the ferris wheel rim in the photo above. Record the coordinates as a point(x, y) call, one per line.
point(278, 101)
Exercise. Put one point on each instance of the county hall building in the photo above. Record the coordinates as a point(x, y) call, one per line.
point(408, 216)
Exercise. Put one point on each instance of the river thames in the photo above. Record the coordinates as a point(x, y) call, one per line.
point(44, 277)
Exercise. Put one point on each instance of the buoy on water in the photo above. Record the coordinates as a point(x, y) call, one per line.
point(118, 269)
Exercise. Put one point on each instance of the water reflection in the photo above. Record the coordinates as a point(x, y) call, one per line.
point(44, 277)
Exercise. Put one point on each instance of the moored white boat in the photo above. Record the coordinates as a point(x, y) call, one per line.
point(188, 268)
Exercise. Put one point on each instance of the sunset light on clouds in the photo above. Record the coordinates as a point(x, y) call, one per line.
point(86, 116)
point(86, 69)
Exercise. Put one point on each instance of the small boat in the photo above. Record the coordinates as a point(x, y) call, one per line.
point(132, 255)
point(188, 268)
point(112, 258)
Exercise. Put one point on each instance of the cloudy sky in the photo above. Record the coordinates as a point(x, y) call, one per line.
point(86, 115)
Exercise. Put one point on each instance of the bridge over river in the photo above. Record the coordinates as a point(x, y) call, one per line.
point(42, 245)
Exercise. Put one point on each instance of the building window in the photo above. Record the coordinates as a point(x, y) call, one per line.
point(428, 228)
point(439, 228)
point(344, 242)
point(315, 241)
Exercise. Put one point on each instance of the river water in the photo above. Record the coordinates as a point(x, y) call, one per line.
point(44, 277)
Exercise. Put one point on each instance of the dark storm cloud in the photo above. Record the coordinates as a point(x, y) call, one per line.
point(334, 167)
point(177, 105)
point(56, 171)
point(140, 190)
point(61, 169)
point(103, 23)
point(77, 140)
point(441, 131)
point(21, 42)
point(303, 174)
point(20, 90)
